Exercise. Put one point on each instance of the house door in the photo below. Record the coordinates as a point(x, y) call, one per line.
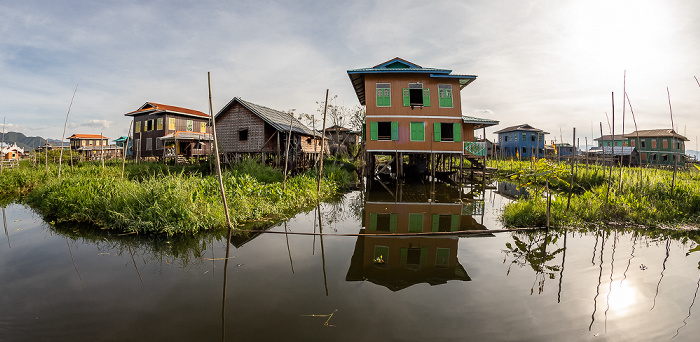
point(183, 147)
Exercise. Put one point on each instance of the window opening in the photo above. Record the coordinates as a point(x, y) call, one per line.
point(243, 135)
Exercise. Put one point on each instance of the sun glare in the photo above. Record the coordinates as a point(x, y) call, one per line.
point(622, 297)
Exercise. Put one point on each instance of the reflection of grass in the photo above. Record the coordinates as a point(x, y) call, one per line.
point(645, 198)
point(156, 198)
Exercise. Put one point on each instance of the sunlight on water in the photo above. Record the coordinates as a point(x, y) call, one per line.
point(622, 298)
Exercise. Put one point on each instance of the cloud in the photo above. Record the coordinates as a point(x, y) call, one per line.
point(102, 124)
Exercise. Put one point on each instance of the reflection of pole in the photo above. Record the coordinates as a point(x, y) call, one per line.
point(663, 269)
point(4, 222)
point(134, 261)
point(75, 266)
point(612, 265)
point(223, 300)
point(288, 249)
point(629, 261)
point(685, 321)
point(323, 254)
point(597, 289)
point(561, 273)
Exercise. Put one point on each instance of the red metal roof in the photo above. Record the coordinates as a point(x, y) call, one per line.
point(152, 106)
point(87, 136)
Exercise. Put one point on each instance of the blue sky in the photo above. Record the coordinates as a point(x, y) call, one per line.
point(552, 64)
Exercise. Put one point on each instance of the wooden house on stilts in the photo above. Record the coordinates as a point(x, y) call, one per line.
point(414, 116)
point(162, 131)
point(245, 129)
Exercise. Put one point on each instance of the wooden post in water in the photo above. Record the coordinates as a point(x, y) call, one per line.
point(126, 143)
point(673, 140)
point(102, 150)
point(218, 163)
point(622, 148)
point(64, 133)
point(323, 142)
point(571, 184)
point(286, 154)
point(2, 157)
point(612, 154)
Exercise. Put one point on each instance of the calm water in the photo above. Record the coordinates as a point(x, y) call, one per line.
point(72, 283)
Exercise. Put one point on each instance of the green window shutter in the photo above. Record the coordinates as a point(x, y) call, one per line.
point(373, 221)
point(393, 220)
point(457, 131)
point(380, 97)
point(387, 97)
point(455, 223)
point(417, 131)
point(437, 131)
point(404, 256)
point(374, 130)
point(424, 256)
point(415, 223)
point(436, 222)
point(406, 97)
point(426, 97)
point(394, 130)
point(448, 98)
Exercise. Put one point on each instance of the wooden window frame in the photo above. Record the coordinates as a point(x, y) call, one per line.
point(159, 124)
point(171, 124)
point(414, 137)
point(445, 96)
point(383, 99)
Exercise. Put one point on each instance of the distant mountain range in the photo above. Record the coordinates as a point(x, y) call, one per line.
point(25, 142)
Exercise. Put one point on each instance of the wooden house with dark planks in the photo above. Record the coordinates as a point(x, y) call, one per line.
point(414, 116)
point(162, 131)
point(245, 130)
point(94, 147)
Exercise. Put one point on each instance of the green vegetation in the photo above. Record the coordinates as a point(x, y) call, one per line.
point(161, 199)
point(643, 197)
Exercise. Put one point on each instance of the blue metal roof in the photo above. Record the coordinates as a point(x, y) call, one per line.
point(401, 66)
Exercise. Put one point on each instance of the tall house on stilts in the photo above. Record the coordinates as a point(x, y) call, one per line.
point(414, 116)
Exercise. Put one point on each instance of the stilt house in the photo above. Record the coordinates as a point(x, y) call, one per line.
point(163, 131)
point(94, 146)
point(658, 146)
point(416, 112)
point(523, 141)
point(245, 129)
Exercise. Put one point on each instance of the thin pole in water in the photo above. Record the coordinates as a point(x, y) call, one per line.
point(218, 163)
point(323, 141)
point(286, 153)
point(126, 143)
point(64, 134)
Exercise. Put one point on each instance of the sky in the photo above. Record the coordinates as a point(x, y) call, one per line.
point(556, 65)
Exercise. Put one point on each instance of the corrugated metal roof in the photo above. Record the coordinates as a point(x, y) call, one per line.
point(654, 133)
point(614, 150)
point(184, 135)
point(277, 119)
point(522, 127)
point(479, 122)
point(87, 136)
point(152, 107)
point(608, 137)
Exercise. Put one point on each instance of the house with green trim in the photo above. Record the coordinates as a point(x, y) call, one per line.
point(658, 146)
point(610, 140)
point(415, 113)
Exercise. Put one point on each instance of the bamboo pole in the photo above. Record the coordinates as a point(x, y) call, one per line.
point(64, 132)
point(286, 154)
point(612, 156)
point(323, 142)
point(126, 143)
point(673, 140)
point(218, 161)
point(571, 184)
point(624, 84)
point(639, 141)
point(2, 155)
point(102, 150)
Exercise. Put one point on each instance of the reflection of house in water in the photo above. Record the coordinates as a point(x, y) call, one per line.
point(397, 262)
point(512, 191)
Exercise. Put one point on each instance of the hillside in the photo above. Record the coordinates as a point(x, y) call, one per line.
point(25, 142)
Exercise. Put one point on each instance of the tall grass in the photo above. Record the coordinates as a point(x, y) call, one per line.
point(158, 199)
point(644, 197)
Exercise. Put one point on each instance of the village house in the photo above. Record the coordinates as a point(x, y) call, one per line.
point(163, 131)
point(245, 129)
point(658, 146)
point(125, 140)
point(523, 141)
point(415, 113)
point(610, 140)
point(11, 152)
point(342, 140)
point(93, 146)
